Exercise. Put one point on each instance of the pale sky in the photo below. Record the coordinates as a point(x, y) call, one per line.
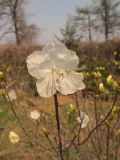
point(51, 15)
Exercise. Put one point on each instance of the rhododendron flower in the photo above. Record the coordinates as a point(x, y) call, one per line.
point(53, 67)
point(35, 114)
point(14, 138)
point(83, 119)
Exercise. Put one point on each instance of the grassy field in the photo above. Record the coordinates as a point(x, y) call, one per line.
point(38, 139)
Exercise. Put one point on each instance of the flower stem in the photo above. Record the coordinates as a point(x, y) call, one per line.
point(17, 118)
point(58, 126)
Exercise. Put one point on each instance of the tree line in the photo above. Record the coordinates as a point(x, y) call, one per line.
point(101, 19)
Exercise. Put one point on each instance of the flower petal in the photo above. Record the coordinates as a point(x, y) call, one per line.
point(68, 60)
point(70, 82)
point(52, 46)
point(46, 85)
point(37, 62)
point(61, 56)
point(82, 84)
point(83, 119)
point(35, 114)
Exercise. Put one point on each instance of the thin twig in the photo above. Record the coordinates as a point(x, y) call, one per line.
point(49, 140)
point(97, 122)
point(81, 118)
point(100, 124)
point(95, 128)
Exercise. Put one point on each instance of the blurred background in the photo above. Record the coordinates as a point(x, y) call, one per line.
point(92, 29)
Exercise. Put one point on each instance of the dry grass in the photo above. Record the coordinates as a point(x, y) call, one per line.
point(28, 100)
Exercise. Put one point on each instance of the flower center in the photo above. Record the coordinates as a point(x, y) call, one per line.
point(59, 73)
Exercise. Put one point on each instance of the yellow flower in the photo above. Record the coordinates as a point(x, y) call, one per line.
point(97, 74)
point(115, 85)
point(100, 68)
point(86, 74)
point(117, 131)
point(96, 96)
point(109, 79)
point(45, 132)
point(14, 138)
point(68, 112)
point(8, 68)
point(2, 91)
point(115, 110)
point(72, 107)
point(101, 117)
point(2, 83)
point(116, 62)
point(101, 87)
point(1, 74)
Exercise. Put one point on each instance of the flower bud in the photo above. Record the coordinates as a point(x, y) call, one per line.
point(14, 138)
point(101, 87)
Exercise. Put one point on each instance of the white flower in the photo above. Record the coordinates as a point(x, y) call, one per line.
point(115, 53)
point(35, 114)
point(53, 67)
point(83, 119)
point(12, 95)
point(14, 138)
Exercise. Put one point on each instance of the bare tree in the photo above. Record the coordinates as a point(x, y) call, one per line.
point(85, 19)
point(28, 33)
point(69, 33)
point(108, 13)
point(4, 19)
point(15, 12)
